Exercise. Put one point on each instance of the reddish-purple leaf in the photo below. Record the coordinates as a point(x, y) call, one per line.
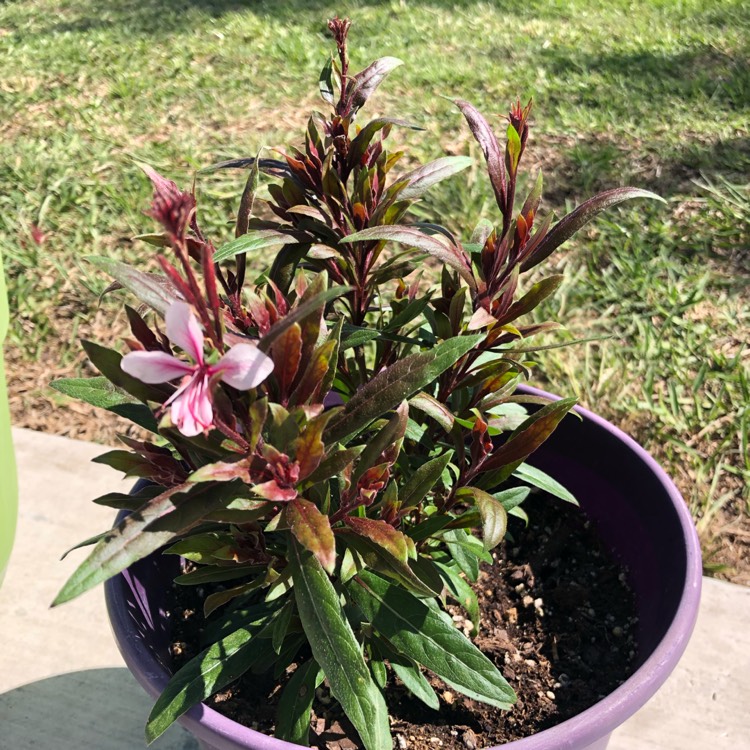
point(222, 471)
point(424, 177)
point(487, 141)
point(535, 296)
point(570, 224)
point(362, 86)
point(529, 436)
point(312, 530)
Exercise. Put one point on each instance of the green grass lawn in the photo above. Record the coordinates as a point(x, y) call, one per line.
point(654, 93)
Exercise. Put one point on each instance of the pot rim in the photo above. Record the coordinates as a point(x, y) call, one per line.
point(581, 730)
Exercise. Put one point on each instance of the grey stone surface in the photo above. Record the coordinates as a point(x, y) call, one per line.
point(63, 685)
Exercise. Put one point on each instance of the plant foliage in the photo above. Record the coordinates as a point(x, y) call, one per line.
point(329, 440)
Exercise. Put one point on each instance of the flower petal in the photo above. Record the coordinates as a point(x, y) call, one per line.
point(154, 367)
point(243, 366)
point(183, 329)
point(191, 411)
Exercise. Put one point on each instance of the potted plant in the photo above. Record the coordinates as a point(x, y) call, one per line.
point(337, 443)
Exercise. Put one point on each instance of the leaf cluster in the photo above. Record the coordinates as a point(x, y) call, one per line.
point(336, 508)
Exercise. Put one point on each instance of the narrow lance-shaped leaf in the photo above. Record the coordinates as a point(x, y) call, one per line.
point(247, 200)
point(211, 670)
point(393, 432)
point(417, 629)
point(529, 436)
point(423, 178)
point(299, 313)
point(487, 141)
point(493, 514)
point(532, 299)
point(325, 82)
point(570, 224)
point(433, 408)
point(449, 254)
point(337, 651)
point(295, 705)
point(152, 289)
point(538, 478)
point(157, 522)
point(397, 382)
point(363, 139)
point(365, 82)
point(423, 480)
point(313, 531)
point(252, 242)
point(384, 535)
point(101, 392)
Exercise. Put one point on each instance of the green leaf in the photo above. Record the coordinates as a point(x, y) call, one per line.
point(418, 630)
point(397, 382)
point(570, 224)
point(383, 534)
point(423, 480)
point(154, 290)
point(157, 522)
point(513, 150)
point(313, 531)
point(325, 86)
point(493, 514)
point(215, 574)
point(461, 592)
point(247, 200)
point(108, 362)
point(253, 242)
point(334, 464)
point(337, 651)
point(380, 559)
point(211, 670)
point(295, 704)
point(534, 297)
point(511, 498)
point(281, 626)
point(97, 391)
point(537, 478)
point(423, 178)
point(414, 681)
point(392, 433)
point(446, 253)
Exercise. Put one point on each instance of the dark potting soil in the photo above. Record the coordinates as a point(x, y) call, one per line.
point(558, 619)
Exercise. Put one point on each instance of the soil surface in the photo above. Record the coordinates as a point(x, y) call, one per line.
point(557, 618)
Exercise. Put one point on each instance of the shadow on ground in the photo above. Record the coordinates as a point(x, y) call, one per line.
point(93, 708)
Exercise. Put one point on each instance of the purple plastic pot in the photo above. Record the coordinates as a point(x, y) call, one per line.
point(639, 514)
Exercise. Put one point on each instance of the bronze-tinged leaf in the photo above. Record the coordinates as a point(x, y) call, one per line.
point(570, 224)
point(433, 408)
point(313, 531)
point(487, 141)
point(391, 434)
point(529, 436)
point(247, 200)
point(534, 297)
point(286, 353)
point(309, 448)
point(308, 387)
point(384, 535)
point(363, 139)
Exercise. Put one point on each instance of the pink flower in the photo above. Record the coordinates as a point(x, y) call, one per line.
point(244, 366)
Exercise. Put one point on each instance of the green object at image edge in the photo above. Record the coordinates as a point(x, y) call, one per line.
point(8, 484)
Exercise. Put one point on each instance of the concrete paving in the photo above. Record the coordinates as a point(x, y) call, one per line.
point(63, 685)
